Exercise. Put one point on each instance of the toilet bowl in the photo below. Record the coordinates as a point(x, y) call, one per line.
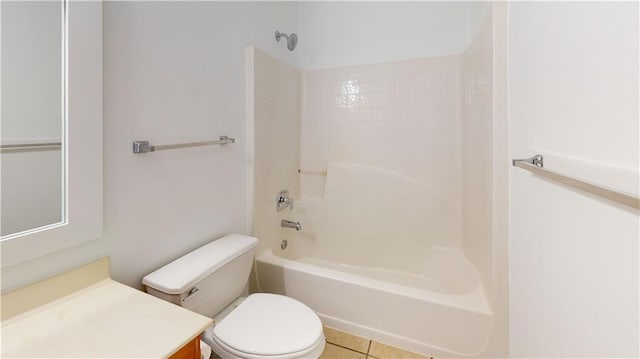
point(211, 281)
point(267, 326)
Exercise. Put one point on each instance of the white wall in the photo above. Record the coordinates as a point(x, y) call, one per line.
point(175, 72)
point(573, 91)
point(478, 13)
point(347, 33)
point(31, 113)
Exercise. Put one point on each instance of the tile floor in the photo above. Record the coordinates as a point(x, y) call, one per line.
point(341, 345)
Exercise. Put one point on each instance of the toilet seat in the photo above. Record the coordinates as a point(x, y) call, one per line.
point(269, 325)
point(225, 352)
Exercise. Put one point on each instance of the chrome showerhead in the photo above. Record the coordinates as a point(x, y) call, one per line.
point(292, 40)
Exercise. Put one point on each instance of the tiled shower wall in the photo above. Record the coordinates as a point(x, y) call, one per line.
point(402, 116)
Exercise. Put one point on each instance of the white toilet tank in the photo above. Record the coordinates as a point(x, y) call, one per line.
point(207, 279)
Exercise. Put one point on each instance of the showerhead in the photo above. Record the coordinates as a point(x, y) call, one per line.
point(292, 40)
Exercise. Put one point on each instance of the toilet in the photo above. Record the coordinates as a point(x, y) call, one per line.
point(211, 280)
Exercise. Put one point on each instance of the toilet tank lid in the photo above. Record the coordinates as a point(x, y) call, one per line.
point(183, 273)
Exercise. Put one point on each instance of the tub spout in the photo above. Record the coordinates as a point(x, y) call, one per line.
point(290, 224)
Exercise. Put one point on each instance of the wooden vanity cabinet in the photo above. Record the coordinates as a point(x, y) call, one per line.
point(190, 350)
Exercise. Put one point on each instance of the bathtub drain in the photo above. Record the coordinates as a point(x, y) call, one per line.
point(283, 244)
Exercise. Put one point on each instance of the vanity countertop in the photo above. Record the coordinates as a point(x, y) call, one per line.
point(106, 319)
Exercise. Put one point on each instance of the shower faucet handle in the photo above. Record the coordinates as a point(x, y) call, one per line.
point(283, 200)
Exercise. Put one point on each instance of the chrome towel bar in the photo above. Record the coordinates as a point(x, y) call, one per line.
point(535, 165)
point(144, 146)
point(23, 147)
point(311, 172)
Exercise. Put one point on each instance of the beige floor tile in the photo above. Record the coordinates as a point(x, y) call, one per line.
point(335, 352)
point(383, 351)
point(346, 340)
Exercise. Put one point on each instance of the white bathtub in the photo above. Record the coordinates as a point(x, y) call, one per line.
point(442, 313)
point(379, 256)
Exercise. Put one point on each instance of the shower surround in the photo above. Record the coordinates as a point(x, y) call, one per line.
point(402, 116)
point(390, 169)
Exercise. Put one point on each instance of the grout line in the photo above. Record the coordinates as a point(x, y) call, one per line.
point(343, 347)
point(367, 354)
point(369, 349)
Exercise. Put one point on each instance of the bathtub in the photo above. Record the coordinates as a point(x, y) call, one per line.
point(417, 312)
point(379, 256)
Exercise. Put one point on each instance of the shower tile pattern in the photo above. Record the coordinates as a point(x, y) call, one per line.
point(341, 345)
point(402, 116)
